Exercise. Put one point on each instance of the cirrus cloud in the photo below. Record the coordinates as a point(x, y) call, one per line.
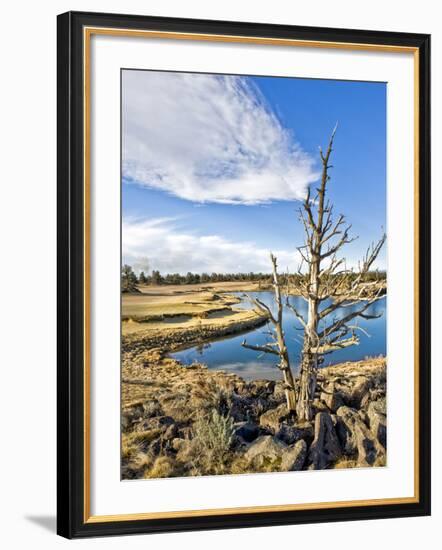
point(208, 138)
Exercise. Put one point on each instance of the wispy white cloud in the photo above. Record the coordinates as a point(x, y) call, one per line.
point(162, 244)
point(209, 138)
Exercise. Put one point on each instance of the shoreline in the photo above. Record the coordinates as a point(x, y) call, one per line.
point(170, 411)
point(166, 406)
point(172, 339)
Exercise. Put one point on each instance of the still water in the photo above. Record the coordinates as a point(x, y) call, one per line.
point(227, 353)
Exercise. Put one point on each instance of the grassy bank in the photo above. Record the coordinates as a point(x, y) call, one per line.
point(173, 318)
point(186, 421)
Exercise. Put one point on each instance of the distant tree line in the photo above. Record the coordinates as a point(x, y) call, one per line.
point(130, 280)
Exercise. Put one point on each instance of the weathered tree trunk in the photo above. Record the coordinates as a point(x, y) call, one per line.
point(278, 347)
point(284, 365)
point(307, 387)
point(324, 239)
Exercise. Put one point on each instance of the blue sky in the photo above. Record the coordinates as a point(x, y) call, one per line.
point(214, 167)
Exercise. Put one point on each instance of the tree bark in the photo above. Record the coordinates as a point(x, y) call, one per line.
point(289, 382)
point(307, 387)
point(278, 347)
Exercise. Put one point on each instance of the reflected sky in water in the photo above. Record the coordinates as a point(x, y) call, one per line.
point(228, 354)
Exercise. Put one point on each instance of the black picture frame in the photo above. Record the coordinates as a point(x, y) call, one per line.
point(72, 520)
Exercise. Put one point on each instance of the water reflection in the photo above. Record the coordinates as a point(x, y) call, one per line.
point(227, 353)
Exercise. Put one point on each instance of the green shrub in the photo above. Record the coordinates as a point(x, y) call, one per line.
point(212, 438)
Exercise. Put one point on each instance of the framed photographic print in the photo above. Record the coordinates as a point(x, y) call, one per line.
point(243, 274)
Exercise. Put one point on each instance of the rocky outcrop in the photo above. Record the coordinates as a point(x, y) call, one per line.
point(162, 401)
point(357, 439)
point(273, 418)
point(290, 433)
point(246, 432)
point(325, 448)
point(377, 419)
point(294, 458)
point(331, 397)
point(268, 451)
point(265, 450)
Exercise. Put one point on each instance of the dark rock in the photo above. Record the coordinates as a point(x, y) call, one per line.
point(185, 432)
point(126, 420)
point(290, 433)
point(332, 398)
point(265, 450)
point(352, 390)
point(363, 416)
point(130, 416)
point(377, 421)
point(360, 386)
point(274, 417)
point(319, 406)
point(261, 388)
point(287, 433)
point(325, 448)
point(240, 407)
point(293, 459)
point(347, 420)
point(248, 432)
point(171, 432)
point(374, 394)
point(279, 392)
point(356, 438)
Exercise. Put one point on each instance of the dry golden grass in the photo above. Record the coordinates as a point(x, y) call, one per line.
point(164, 466)
point(185, 300)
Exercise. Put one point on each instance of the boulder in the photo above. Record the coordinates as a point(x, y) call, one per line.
point(269, 452)
point(131, 415)
point(360, 387)
point(377, 420)
point(332, 398)
point(373, 394)
point(273, 418)
point(325, 448)
point(279, 392)
point(319, 406)
point(353, 389)
point(127, 419)
point(293, 459)
point(240, 407)
point(265, 451)
point(261, 388)
point(290, 433)
point(247, 431)
point(356, 438)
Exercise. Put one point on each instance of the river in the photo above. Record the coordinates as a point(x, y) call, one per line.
point(227, 353)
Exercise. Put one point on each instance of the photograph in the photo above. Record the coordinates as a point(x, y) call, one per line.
point(254, 274)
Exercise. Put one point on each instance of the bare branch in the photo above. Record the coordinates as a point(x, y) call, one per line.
point(262, 307)
point(263, 349)
point(297, 314)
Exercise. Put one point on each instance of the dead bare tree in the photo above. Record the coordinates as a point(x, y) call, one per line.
point(277, 346)
point(327, 279)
